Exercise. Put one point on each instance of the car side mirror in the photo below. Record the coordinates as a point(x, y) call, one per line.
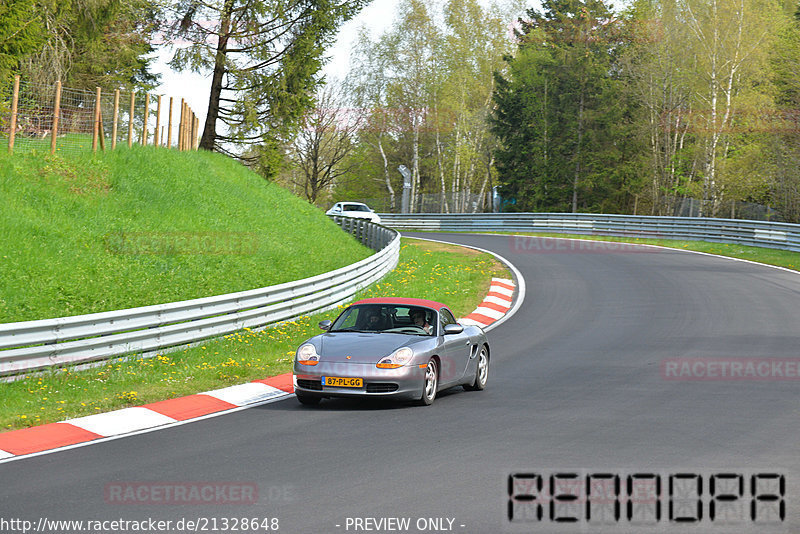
point(453, 329)
point(325, 325)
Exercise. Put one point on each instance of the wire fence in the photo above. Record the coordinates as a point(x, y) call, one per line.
point(64, 120)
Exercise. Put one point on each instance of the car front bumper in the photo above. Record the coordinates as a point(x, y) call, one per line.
point(403, 383)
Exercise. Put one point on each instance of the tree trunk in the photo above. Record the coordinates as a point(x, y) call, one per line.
point(415, 170)
point(444, 203)
point(210, 129)
point(386, 175)
point(578, 155)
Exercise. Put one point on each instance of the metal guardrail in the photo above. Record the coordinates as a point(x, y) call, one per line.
point(31, 345)
point(744, 232)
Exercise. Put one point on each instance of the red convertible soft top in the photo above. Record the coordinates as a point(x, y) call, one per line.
point(404, 301)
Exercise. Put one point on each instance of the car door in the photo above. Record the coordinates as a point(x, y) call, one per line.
point(457, 349)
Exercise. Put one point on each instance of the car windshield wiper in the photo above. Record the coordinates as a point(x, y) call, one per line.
point(358, 331)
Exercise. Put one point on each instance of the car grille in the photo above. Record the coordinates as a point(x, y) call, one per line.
point(380, 387)
point(310, 384)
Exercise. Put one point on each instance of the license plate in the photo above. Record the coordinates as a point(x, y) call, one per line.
point(342, 382)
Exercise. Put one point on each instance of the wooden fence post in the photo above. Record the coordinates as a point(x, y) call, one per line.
point(158, 122)
point(56, 113)
point(191, 129)
point(186, 128)
point(146, 118)
point(116, 118)
point(169, 126)
point(14, 101)
point(196, 139)
point(96, 128)
point(130, 120)
point(182, 126)
point(101, 130)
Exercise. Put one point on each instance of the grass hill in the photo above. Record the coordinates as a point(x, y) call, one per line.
point(133, 227)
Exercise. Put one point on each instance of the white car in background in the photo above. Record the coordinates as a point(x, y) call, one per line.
point(354, 209)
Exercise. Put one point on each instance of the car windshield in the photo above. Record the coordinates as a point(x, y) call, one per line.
point(386, 318)
point(355, 207)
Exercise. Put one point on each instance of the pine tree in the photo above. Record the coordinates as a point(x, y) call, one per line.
point(264, 57)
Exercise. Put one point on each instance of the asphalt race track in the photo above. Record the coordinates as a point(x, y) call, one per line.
point(580, 382)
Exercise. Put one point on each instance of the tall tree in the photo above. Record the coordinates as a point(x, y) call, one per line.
point(731, 41)
point(264, 57)
point(784, 149)
point(476, 39)
point(414, 46)
point(562, 80)
point(89, 43)
point(320, 150)
point(367, 83)
point(426, 88)
point(657, 70)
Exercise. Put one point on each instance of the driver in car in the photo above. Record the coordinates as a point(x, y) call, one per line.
point(374, 321)
point(418, 317)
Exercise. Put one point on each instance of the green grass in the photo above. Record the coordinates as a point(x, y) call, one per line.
point(70, 142)
point(780, 258)
point(456, 276)
point(133, 227)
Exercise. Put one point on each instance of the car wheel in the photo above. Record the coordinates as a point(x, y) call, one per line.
point(430, 383)
point(307, 400)
point(481, 373)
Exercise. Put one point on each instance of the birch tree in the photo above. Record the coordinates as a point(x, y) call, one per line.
point(657, 70)
point(730, 41)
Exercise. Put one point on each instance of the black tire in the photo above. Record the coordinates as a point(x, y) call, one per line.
point(481, 372)
point(430, 383)
point(307, 400)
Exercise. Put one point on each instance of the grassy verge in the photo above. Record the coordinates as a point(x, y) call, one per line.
point(780, 258)
point(86, 233)
point(456, 276)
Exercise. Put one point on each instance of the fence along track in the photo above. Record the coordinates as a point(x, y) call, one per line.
point(783, 236)
point(61, 120)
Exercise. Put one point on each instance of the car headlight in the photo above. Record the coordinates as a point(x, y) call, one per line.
point(398, 358)
point(307, 355)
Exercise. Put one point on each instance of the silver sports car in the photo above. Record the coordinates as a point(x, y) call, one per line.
point(399, 348)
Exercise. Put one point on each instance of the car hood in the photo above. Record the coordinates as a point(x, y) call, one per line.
point(362, 347)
